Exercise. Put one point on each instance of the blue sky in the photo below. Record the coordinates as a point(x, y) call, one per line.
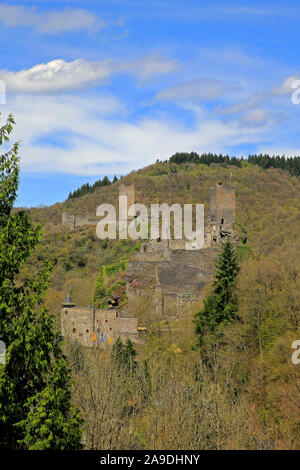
point(104, 87)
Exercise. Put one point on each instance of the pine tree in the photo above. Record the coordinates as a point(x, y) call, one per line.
point(130, 355)
point(220, 307)
point(46, 426)
point(35, 366)
point(118, 351)
point(124, 354)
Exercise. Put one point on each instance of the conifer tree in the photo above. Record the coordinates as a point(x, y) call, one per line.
point(220, 306)
point(130, 355)
point(35, 394)
point(124, 354)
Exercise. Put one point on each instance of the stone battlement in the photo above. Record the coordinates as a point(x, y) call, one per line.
point(96, 328)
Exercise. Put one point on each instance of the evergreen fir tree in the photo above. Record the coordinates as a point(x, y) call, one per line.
point(124, 354)
point(105, 181)
point(35, 366)
point(130, 355)
point(118, 351)
point(45, 426)
point(220, 307)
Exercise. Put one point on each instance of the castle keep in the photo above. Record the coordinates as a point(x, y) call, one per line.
point(222, 212)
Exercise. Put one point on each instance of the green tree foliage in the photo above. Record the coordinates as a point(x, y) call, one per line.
point(108, 281)
point(124, 354)
point(35, 396)
point(87, 188)
point(292, 164)
point(220, 307)
point(49, 424)
point(100, 292)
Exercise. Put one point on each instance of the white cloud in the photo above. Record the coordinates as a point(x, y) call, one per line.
point(59, 75)
point(150, 65)
point(51, 22)
point(98, 140)
point(229, 55)
point(257, 116)
point(286, 88)
point(204, 89)
point(252, 105)
point(245, 10)
point(242, 106)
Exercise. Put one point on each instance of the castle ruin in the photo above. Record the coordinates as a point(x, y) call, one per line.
point(168, 278)
point(74, 221)
point(164, 278)
point(95, 327)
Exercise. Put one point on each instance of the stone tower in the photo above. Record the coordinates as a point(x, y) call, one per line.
point(129, 192)
point(222, 211)
point(68, 220)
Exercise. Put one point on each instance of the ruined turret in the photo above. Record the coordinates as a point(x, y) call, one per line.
point(222, 212)
point(68, 303)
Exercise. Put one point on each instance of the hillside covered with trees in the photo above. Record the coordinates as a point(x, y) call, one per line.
point(290, 164)
point(238, 389)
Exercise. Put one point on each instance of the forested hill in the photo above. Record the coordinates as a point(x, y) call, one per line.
point(290, 164)
point(255, 386)
point(268, 207)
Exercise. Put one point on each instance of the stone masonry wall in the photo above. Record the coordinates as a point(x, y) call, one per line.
point(168, 284)
point(73, 221)
point(81, 323)
point(222, 204)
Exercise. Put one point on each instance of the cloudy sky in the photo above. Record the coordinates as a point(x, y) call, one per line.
point(101, 87)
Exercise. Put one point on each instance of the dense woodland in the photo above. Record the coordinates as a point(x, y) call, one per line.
point(290, 164)
point(219, 378)
point(241, 391)
point(90, 188)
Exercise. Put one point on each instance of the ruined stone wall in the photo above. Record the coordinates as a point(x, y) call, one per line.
point(81, 323)
point(81, 220)
point(177, 244)
point(222, 204)
point(166, 285)
point(180, 274)
point(129, 192)
point(222, 213)
point(73, 221)
point(152, 256)
point(175, 305)
point(68, 220)
point(77, 323)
